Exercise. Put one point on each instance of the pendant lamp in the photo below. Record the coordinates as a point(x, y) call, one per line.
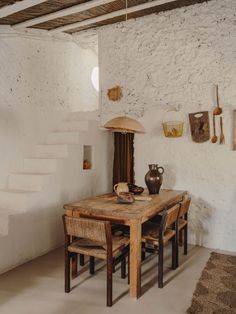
point(124, 125)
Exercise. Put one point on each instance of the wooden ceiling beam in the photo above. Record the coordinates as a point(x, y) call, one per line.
point(62, 13)
point(18, 6)
point(111, 15)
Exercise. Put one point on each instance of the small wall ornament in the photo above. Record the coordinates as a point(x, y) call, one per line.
point(114, 93)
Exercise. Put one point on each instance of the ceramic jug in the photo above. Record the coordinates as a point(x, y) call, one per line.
point(121, 187)
point(153, 178)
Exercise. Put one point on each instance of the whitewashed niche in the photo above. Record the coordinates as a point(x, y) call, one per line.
point(88, 157)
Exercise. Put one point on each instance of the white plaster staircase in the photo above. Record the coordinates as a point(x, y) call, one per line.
point(24, 188)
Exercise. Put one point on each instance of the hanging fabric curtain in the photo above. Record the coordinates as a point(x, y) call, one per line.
point(123, 165)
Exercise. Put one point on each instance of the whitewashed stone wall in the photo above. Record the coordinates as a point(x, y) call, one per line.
point(172, 60)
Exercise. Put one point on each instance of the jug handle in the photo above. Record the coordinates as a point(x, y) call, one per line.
point(162, 170)
point(115, 187)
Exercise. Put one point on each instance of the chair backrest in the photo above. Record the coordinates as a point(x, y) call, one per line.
point(184, 206)
point(171, 216)
point(91, 229)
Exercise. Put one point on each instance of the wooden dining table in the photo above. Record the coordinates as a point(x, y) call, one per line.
point(133, 215)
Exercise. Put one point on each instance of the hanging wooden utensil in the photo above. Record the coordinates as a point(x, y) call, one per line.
point(214, 137)
point(217, 111)
point(222, 137)
point(234, 130)
point(200, 126)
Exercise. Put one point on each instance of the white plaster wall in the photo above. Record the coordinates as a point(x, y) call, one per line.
point(40, 82)
point(173, 59)
point(43, 82)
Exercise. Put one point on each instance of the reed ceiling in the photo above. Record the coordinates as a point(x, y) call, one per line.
point(3, 3)
point(51, 6)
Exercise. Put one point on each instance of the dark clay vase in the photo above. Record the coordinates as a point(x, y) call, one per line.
point(153, 178)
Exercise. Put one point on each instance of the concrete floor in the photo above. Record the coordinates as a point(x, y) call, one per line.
point(37, 287)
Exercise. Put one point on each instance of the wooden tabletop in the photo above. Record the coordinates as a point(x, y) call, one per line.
point(106, 205)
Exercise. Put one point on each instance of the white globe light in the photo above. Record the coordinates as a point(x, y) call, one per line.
point(95, 78)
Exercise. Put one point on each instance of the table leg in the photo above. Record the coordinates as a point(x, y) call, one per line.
point(135, 259)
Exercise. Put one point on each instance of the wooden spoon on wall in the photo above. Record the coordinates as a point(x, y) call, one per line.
point(217, 111)
point(214, 137)
point(222, 137)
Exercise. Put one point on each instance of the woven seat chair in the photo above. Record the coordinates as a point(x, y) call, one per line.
point(116, 229)
point(156, 236)
point(183, 223)
point(94, 238)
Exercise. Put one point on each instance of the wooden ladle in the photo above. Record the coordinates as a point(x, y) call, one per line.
point(214, 137)
point(217, 111)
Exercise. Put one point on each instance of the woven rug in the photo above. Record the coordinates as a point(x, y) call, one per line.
point(215, 292)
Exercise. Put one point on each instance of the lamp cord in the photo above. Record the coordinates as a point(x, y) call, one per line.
point(126, 55)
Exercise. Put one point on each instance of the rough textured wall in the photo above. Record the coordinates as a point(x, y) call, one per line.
point(40, 82)
point(173, 59)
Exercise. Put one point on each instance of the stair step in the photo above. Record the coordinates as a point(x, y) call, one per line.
point(4, 220)
point(4, 223)
point(83, 116)
point(67, 125)
point(8, 212)
point(51, 151)
point(63, 138)
point(40, 165)
point(26, 181)
point(16, 199)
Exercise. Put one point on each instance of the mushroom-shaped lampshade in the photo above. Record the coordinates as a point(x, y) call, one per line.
point(124, 125)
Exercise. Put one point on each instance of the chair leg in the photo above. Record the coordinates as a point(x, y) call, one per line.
point(74, 264)
point(174, 255)
point(123, 268)
point(128, 268)
point(81, 259)
point(160, 266)
point(74, 257)
point(109, 282)
point(67, 272)
point(91, 265)
point(177, 249)
point(186, 240)
point(181, 237)
point(143, 252)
